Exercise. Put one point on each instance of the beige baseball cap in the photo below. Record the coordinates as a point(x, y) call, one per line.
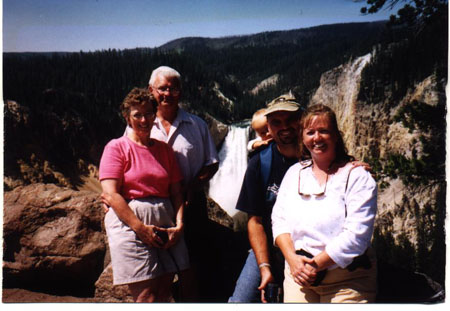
point(283, 103)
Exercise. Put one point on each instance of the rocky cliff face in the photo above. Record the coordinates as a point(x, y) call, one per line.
point(47, 146)
point(53, 239)
point(411, 210)
point(339, 90)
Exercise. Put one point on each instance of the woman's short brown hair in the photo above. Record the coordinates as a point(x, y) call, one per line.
point(137, 97)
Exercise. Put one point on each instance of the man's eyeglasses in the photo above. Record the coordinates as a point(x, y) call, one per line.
point(307, 195)
point(139, 116)
point(172, 90)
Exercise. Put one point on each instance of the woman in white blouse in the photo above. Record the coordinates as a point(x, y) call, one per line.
point(323, 218)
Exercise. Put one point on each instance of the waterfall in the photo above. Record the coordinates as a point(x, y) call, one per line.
point(226, 184)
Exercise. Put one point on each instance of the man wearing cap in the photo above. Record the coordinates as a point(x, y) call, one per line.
point(265, 263)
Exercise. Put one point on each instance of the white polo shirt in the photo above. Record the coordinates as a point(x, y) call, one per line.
point(191, 140)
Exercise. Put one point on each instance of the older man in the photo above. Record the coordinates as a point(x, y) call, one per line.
point(189, 137)
point(264, 173)
point(186, 133)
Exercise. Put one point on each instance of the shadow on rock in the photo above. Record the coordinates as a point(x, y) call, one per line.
point(396, 285)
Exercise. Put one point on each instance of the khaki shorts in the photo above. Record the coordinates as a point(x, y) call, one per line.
point(338, 286)
point(132, 260)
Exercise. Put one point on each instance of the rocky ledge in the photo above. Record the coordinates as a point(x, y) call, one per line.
point(53, 239)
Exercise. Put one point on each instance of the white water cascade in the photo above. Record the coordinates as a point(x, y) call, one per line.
point(226, 184)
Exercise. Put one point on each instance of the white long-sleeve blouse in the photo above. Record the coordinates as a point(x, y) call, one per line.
point(339, 222)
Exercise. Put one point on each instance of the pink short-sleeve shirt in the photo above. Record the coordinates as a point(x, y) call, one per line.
point(143, 171)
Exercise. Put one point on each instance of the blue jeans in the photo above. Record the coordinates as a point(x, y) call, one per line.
point(246, 289)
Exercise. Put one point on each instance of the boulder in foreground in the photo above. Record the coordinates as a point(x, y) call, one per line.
point(53, 239)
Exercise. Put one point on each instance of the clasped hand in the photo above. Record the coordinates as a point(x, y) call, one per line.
point(303, 270)
point(148, 233)
point(153, 235)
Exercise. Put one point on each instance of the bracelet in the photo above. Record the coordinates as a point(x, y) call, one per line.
point(264, 264)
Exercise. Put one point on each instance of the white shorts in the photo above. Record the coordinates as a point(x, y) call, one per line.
point(132, 260)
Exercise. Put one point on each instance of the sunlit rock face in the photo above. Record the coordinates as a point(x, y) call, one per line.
point(339, 90)
point(54, 239)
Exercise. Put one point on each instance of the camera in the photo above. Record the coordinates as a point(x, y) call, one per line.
point(163, 235)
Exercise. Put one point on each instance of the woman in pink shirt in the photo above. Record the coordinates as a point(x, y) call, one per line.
point(140, 179)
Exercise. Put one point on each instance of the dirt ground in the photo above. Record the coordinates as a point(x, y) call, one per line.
point(16, 295)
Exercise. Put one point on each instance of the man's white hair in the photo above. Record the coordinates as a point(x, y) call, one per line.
point(165, 72)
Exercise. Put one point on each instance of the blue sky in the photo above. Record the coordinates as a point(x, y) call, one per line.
point(89, 25)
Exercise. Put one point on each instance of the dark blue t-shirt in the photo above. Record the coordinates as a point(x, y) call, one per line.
point(252, 198)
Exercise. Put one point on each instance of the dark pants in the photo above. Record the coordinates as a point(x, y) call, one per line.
point(196, 226)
